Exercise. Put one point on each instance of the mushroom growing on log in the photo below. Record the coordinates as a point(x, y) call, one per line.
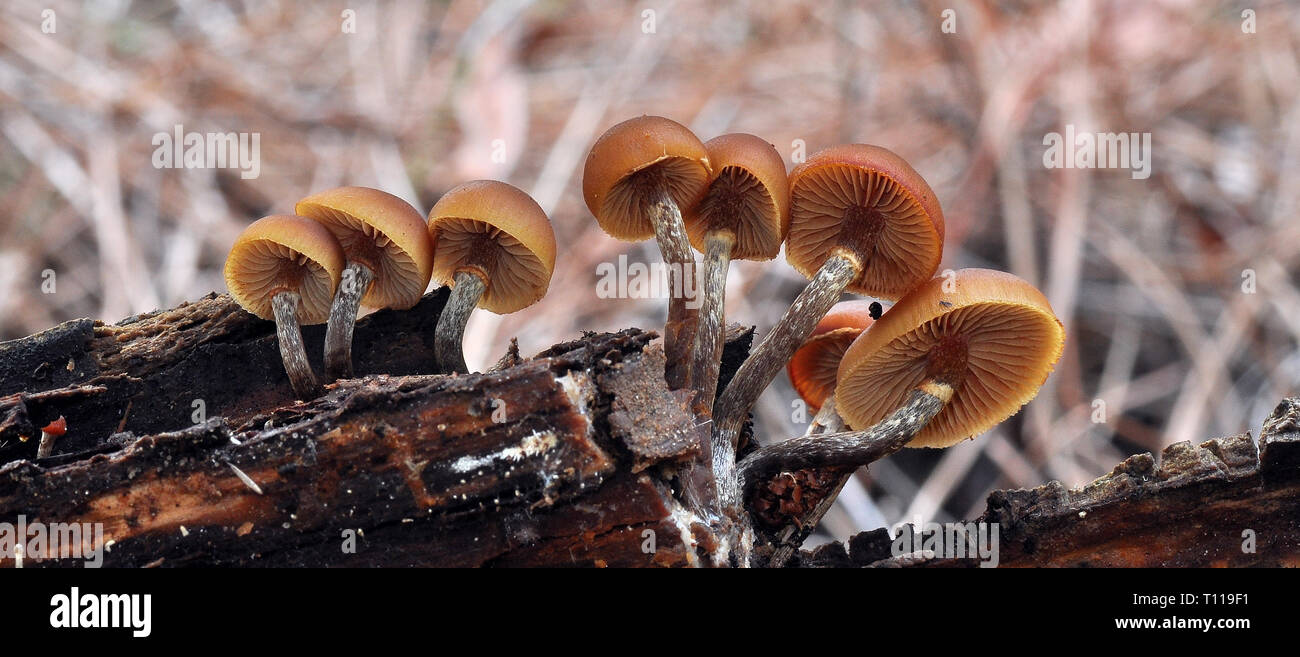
point(496, 249)
point(286, 268)
point(638, 177)
point(743, 215)
point(389, 259)
point(861, 219)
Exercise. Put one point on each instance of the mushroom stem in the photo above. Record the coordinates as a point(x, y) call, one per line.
point(447, 338)
point(849, 449)
point(707, 349)
point(46, 446)
point(292, 352)
point(791, 536)
point(767, 359)
point(670, 233)
point(343, 316)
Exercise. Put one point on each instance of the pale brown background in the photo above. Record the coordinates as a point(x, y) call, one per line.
point(1146, 274)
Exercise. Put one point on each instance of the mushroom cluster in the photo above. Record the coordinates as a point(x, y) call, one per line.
point(355, 246)
point(950, 358)
point(947, 359)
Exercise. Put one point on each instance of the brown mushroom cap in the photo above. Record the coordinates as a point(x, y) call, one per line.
point(814, 367)
point(382, 232)
point(503, 234)
point(870, 202)
point(630, 162)
point(748, 196)
point(285, 252)
point(994, 338)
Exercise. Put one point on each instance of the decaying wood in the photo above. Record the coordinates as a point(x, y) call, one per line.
point(580, 455)
point(1225, 502)
point(432, 469)
point(569, 457)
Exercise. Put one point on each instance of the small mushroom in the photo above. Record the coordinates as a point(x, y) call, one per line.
point(743, 214)
point(939, 367)
point(389, 259)
point(861, 219)
point(48, 433)
point(638, 177)
point(496, 248)
point(286, 268)
point(814, 367)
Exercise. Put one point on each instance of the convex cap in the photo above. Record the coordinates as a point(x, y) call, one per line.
point(499, 232)
point(869, 202)
point(285, 253)
point(631, 162)
point(814, 367)
point(748, 196)
point(382, 232)
point(993, 337)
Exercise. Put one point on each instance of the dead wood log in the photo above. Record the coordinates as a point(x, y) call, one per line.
point(1225, 502)
point(184, 441)
point(569, 457)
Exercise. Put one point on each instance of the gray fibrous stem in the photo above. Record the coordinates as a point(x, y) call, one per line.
point(848, 449)
point(343, 317)
point(706, 357)
point(292, 352)
point(670, 233)
point(766, 361)
point(449, 333)
point(791, 536)
point(46, 446)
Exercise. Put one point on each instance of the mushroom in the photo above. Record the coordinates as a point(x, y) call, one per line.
point(48, 433)
point(861, 219)
point(638, 176)
point(813, 368)
point(286, 268)
point(939, 367)
point(496, 248)
point(389, 259)
point(743, 214)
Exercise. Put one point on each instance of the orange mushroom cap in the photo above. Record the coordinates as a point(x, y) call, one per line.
point(382, 232)
point(500, 232)
point(990, 335)
point(630, 162)
point(748, 196)
point(814, 367)
point(285, 252)
point(869, 202)
point(57, 427)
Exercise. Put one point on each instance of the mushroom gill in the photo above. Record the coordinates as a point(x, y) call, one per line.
point(737, 202)
point(1009, 349)
point(872, 212)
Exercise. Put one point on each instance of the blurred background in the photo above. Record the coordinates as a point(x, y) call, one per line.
point(1179, 291)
